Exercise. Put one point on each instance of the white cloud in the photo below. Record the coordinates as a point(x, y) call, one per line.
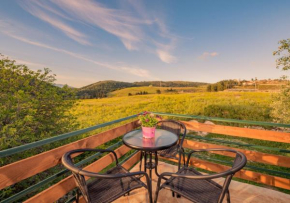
point(165, 56)
point(206, 55)
point(137, 28)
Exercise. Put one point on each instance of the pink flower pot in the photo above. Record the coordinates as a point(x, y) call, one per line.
point(148, 132)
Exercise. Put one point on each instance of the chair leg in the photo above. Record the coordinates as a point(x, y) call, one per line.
point(228, 197)
point(77, 196)
point(157, 190)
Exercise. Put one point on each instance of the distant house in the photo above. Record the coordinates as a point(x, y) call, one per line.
point(248, 83)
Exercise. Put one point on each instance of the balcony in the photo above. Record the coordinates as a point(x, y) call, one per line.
point(266, 177)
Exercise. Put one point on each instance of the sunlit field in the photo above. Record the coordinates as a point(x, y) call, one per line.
point(239, 105)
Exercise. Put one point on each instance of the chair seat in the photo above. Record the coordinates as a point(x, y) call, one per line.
point(108, 190)
point(170, 152)
point(201, 191)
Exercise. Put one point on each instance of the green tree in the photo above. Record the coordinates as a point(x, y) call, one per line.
point(281, 101)
point(208, 88)
point(284, 50)
point(220, 87)
point(158, 91)
point(31, 106)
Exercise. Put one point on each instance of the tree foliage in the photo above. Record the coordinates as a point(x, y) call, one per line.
point(281, 101)
point(31, 107)
point(284, 52)
point(221, 85)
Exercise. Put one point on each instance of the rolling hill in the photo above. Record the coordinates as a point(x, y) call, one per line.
point(101, 89)
point(153, 90)
point(105, 88)
point(170, 83)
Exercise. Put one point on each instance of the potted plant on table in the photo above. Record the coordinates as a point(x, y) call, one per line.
point(148, 123)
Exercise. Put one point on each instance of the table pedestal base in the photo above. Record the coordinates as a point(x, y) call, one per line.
point(149, 164)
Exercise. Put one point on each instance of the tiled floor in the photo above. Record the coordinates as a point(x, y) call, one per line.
point(240, 192)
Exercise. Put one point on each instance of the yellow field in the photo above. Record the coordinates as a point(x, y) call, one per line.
point(152, 90)
point(239, 105)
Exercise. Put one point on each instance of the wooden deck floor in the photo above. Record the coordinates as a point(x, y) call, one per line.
point(240, 192)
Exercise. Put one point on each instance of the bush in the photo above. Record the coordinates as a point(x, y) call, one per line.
point(31, 106)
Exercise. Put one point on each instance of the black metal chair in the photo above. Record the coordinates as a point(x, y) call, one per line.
point(180, 130)
point(200, 188)
point(107, 187)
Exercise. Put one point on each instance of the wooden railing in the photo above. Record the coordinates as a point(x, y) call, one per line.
point(23, 169)
point(18, 171)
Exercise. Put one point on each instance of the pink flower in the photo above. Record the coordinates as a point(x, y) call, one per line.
point(147, 120)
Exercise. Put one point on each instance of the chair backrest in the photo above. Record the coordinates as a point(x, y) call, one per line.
point(239, 162)
point(175, 127)
point(78, 173)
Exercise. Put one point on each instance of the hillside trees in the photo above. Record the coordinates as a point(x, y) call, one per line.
point(31, 107)
point(281, 102)
point(221, 85)
point(101, 89)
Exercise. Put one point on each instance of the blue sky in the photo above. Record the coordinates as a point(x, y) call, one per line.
point(86, 41)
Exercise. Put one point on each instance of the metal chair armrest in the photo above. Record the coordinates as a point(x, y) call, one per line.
point(66, 159)
point(233, 170)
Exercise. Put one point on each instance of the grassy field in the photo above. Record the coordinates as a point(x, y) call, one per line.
point(261, 87)
point(152, 90)
point(239, 105)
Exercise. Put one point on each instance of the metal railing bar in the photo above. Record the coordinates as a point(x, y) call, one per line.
point(14, 150)
point(71, 200)
point(226, 120)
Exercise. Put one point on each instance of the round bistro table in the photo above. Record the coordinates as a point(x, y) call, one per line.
point(163, 140)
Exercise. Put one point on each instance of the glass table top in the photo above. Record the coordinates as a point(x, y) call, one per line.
point(163, 140)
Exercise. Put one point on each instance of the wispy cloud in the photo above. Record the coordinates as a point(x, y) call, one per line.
point(8, 30)
point(136, 27)
point(207, 55)
point(49, 15)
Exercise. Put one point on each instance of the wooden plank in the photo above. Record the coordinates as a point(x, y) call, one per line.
point(130, 162)
point(251, 155)
point(239, 132)
point(243, 174)
point(20, 170)
point(61, 188)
